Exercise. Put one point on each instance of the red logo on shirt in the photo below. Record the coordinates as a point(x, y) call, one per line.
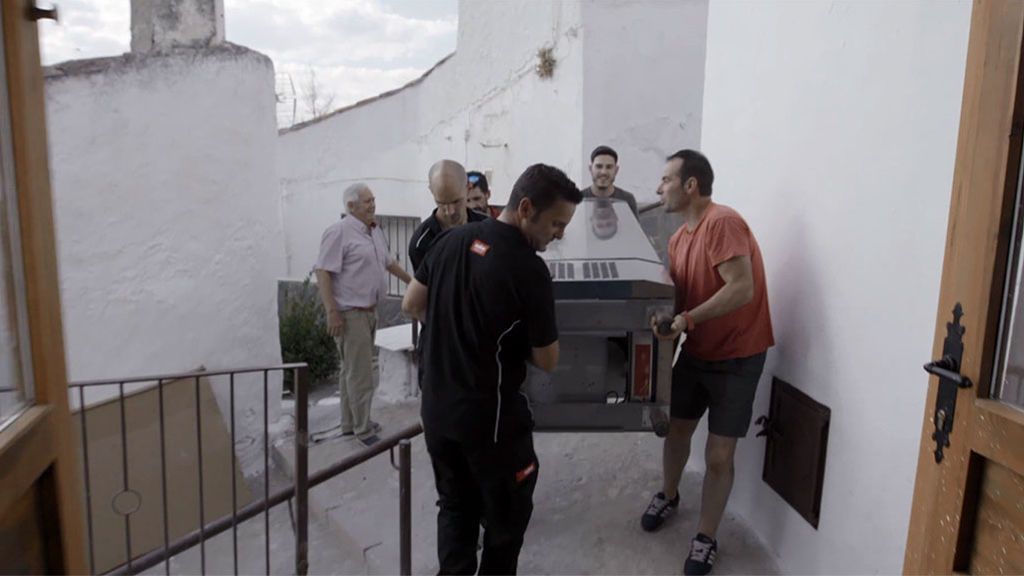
point(480, 248)
point(525, 472)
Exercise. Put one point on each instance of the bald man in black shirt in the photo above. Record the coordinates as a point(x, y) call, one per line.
point(447, 183)
point(485, 298)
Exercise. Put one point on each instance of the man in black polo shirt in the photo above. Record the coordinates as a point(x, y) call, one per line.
point(485, 298)
point(447, 183)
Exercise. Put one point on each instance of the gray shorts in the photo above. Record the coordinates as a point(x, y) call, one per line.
point(725, 388)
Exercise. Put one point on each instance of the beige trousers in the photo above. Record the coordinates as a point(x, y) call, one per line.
point(355, 374)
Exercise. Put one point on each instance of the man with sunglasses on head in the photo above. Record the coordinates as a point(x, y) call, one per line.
point(480, 195)
point(447, 183)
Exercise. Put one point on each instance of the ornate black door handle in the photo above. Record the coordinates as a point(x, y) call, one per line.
point(950, 380)
point(949, 369)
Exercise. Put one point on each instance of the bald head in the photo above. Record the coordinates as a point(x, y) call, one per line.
point(447, 182)
point(443, 170)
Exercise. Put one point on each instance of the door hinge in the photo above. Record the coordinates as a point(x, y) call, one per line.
point(37, 13)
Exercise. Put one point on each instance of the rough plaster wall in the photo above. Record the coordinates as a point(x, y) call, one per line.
point(832, 128)
point(514, 117)
point(484, 106)
point(643, 84)
point(167, 24)
point(166, 206)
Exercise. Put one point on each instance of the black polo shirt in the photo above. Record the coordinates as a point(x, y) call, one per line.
point(489, 304)
point(428, 231)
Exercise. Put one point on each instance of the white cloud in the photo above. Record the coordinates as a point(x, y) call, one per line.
point(357, 48)
point(87, 29)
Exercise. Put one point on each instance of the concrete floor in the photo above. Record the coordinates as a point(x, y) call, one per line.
point(590, 494)
point(328, 557)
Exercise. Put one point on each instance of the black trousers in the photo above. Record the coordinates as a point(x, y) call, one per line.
point(482, 482)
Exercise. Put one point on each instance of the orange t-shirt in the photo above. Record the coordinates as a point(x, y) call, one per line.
point(694, 256)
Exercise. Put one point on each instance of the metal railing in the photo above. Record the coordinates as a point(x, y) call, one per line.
point(398, 232)
point(127, 501)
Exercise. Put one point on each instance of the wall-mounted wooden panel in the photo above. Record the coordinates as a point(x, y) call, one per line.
point(794, 463)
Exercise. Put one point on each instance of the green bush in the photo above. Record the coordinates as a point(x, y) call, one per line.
point(304, 336)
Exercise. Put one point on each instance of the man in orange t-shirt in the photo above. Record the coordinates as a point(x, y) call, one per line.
point(722, 306)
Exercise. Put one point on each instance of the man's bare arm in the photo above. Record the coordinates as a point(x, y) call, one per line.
point(546, 358)
point(414, 304)
point(324, 285)
point(396, 269)
point(738, 291)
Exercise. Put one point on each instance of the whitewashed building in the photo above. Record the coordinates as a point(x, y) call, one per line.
point(832, 127)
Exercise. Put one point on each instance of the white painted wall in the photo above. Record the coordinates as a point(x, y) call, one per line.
point(643, 85)
point(167, 215)
point(486, 107)
point(161, 25)
point(832, 128)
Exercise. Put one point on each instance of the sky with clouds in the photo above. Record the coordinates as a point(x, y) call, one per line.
point(355, 48)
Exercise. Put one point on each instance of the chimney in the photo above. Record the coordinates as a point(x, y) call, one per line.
point(162, 25)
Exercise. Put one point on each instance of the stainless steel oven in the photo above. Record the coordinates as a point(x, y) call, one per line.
point(613, 375)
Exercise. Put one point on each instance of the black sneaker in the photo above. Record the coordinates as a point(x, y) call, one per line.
point(703, 551)
point(658, 511)
point(368, 441)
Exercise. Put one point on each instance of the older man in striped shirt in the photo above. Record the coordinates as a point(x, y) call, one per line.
point(351, 273)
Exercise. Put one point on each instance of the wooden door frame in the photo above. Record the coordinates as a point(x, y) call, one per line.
point(977, 247)
point(37, 448)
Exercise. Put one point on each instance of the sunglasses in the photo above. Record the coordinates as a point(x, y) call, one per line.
point(473, 179)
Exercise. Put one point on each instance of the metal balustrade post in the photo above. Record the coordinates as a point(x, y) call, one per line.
point(86, 469)
point(163, 476)
point(405, 506)
point(266, 472)
point(202, 494)
point(124, 480)
point(301, 383)
point(234, 480)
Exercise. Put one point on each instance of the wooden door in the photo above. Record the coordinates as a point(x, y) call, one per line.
point(968, 508)
point(41, 524)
